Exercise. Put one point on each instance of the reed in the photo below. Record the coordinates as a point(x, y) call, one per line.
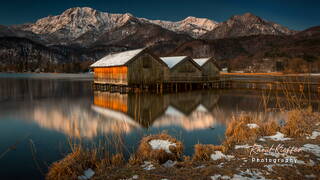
point(238, 131)
point(300, 122)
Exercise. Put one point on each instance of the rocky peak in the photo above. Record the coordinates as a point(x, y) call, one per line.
point(79, 10)
point(200, 22)
point(192, 26)
point(245, 25)
point(77, 21)
point(246, 18)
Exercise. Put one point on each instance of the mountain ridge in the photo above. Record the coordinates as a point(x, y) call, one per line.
point(75, 22)
point(245, 25)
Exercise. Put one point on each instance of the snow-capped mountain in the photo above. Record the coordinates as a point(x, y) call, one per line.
point(75, 22)
point(192, 26)
point(246, 25)
point(84, 26)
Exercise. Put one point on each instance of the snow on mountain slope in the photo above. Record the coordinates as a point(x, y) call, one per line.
point(192, 26)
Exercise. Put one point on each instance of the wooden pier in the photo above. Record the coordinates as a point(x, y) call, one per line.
point(298, 84)
point(163, 87)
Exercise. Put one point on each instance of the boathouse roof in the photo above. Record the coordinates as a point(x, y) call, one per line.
point(173, 60)
point(201, 61)
point(117, 59)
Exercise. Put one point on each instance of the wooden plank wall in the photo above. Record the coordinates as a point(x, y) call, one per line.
point(111, 75)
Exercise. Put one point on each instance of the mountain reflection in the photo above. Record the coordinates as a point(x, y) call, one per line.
point(115, 113)
point(76, 121)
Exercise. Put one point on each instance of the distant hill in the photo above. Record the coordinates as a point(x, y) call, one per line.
point(241, 52)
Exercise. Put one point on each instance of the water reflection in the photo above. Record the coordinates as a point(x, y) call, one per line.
point(115, 113)
point(77, 121)
point(189, 110)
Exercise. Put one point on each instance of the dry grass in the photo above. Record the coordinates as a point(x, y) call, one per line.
point(145, 152)
point(73, 165)
point(268, 128)
point(202, 152)
point(238, 132)
point(117, 160)
point(299, 123)
point(81, 159)
point(135, 160)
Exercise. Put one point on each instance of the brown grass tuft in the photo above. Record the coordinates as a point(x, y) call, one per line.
point(134, 160)
point(145, 152)
point(299, 123)
point(238, 132)
point(117, 159)
point(202, 152)
point(268, 128)
point(73, 165)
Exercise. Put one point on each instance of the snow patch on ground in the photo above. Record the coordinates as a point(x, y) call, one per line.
point(314, 135)
point(218, 176)
point(132, 178)
point(219, 155)
point(262, 139)
point(87, 174)
point(253, 175)
point(220, 165)
point(148, 166)
point(161, 144)
point(270, 166)
point(169, 164)
point(312, 148)
point(246, 146)
point(310, 176)
point(277, 137)
point(253, 126)
point(241, 176)
point(199, 167)
point(135, 177)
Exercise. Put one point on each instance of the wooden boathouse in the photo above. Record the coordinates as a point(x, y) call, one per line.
point(182, 69)
point(140, 69)
point(210, 70)
point(130, 68)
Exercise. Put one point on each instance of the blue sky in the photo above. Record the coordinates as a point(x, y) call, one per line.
point(295, 14)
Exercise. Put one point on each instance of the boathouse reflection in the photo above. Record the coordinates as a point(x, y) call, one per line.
point(189, 110)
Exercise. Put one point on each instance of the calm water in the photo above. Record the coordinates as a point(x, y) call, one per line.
point(40, 112)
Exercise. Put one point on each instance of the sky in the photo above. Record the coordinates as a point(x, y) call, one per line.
point(295, 14)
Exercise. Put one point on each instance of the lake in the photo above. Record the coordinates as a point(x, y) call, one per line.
point(40, 113)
